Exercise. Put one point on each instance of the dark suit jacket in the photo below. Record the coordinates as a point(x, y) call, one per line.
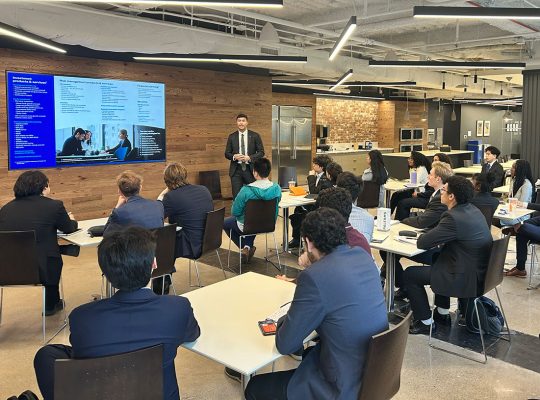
point(44, 216)
point(255, 149)
point(187, 206)
point(324, 183)
point(138, 211)
point(496, 170)
point(431, 216)
point(72, 147)
point(466, 241)
point(131, 321)
point(485, 199)
point(126, 143)
point(340, 297)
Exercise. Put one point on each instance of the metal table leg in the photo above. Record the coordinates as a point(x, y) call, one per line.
point(389, 288)
point(285, 228)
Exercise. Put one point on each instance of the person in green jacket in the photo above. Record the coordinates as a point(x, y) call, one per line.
point(261, 189)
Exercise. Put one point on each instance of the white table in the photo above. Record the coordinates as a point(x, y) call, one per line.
point(393, 247)
point(394, 185)
point(509, 216)
point(228, 312)
point(473, 169)
point(287, 201)
point(82, 238)
point(502, 189)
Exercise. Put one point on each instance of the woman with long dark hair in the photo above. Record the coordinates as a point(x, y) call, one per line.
point(521, 188)
point(376, 172)
point(443, 158)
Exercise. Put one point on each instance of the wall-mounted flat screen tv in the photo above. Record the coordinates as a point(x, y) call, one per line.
point(405, 134)
point(64, 121)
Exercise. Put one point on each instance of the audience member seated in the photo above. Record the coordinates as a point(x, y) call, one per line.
point(317, 181)
point(360, 219)
point(185, 205)
point(439, 173)
point(492, 166)
point(420, 164)
point(443, 157)
point(526, 231)
point(261, 189)
point(339, 290)
point(134, 318)
point(33, 210)
point(460, 268)
point(333, 170)
point(376, 172)
point(132, 209)
point(483, 185)
point(521, 188)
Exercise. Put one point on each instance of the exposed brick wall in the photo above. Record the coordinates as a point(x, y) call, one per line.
point(386, 124)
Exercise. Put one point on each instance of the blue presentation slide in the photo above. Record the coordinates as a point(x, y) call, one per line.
point(66, 121)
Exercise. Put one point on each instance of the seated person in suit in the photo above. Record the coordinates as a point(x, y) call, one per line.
point(439, 173)
point(492, 166)
point(261, 189)
point(461, 266)
point(526, 231)
point(483, 185)
point(134, 318)
point(333, 170)
point(124, 142)
point(33, 210)
point(359, 218)
point(317, 181)
point(340, 298)
point(73, 146)
point(132, 209)
point(185, 205)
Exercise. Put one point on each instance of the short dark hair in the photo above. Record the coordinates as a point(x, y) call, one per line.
point(241, 115)
point(322, 160)
point(126, 257)
point(485, 182)
point(349, 182)
point(493, 150)
point(337, 198)
point(129, 183)
point(79, 131)
point(334, 170)
point(30, 183)
point(461, 188)
point(325, 227)
point(263, 167)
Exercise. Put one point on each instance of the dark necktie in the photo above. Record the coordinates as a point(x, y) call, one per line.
point(242, 150)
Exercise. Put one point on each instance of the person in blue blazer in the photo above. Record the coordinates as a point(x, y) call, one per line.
point(339, 296)
point(133, 318)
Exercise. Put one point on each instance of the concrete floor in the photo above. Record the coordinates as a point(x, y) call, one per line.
point(426, 373)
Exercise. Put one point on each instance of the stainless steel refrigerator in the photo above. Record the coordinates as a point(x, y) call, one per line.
point(291, 139)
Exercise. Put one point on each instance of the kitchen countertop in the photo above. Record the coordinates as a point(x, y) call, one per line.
point(430, 153)
point(387, 149)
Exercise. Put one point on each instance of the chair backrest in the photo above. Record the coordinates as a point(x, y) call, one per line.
point(19, 263)
point(369, 196)
point(213, 230)
point(495, 268)
point(382, 371)
point(211, 180)
point(285, 175)
point(120, 153)
point(134, 375)
point(488, 212)
point(165, 250)
point(260, 217)
point(132, 155)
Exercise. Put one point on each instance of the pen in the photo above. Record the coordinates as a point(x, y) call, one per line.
point(283, 305)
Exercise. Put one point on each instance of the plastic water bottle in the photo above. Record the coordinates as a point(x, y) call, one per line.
point(413, 176)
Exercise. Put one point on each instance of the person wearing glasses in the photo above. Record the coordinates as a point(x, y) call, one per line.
point(460, 268)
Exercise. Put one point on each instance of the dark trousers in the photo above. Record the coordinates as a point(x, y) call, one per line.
point(297, 218)
point(399, 196)
point(231, 229)
point(240, 178)
point(529, 231)
point(427, 257)
point(403, 208)
point(414, 279)
point(272, 386)
point(51, 281)
point(44, 366)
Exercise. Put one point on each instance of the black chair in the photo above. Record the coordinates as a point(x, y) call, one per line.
point(212, 239)
point(211, 180)
point(369, 196)
point(259, 217)
point(494, 277)
point(165, 255)
point(488, 213)
point(132, 155)
point(285, 175)
point(382, 371)
point(128, 376)
point(19, 266)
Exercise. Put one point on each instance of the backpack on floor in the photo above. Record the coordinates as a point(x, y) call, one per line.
point(491, 317)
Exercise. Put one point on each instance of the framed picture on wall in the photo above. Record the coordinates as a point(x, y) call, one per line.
point(479, 128)
point(487, 128)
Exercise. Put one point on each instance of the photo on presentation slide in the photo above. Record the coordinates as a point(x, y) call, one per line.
point(56, 121)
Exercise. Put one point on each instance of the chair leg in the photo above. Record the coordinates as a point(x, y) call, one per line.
point(533, 268)
point(480, 329)
point(163, 285)
point(277, 253)
point(172, 285)
point(229, 253)
point(240, 255)
point(197, 272)
point(43, 314)
point(504, 316)
point(189, 270)
point(220, 264)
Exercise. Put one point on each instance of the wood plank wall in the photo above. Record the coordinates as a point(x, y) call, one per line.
point(201, 107)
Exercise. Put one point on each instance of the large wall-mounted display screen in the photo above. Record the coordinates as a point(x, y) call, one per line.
point(57, 121)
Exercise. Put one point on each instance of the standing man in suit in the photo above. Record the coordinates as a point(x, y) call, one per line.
point(243, 148)
point(133, 319)
point(340, 297)
point(132, 209)
point(492, 166)
point(124, 142)
point(33, 210)
point(461, 266)
point(73, 146)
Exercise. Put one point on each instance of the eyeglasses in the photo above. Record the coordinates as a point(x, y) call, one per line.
point(444, 190)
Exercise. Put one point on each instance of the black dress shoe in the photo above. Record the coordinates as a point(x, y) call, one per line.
point(294, 244)
point(442, 318)
point(234, 375)
point(12, 398)
point(418, 327)
point(57, 307)
point(28, 395)
point(400, 295)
